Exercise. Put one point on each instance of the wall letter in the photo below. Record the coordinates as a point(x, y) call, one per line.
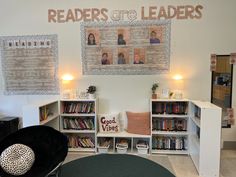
point(170, 13)
point(142, 14)
point(152, 13)
point(52, 15)
point(95, 14)
point(60, 16)
point(70, 16)
point(199, 13)
point(103, 13)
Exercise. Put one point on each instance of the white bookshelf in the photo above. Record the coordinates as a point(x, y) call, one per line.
point(41, 113)
point(205, 136)
point(78, 119)
point(167, 135)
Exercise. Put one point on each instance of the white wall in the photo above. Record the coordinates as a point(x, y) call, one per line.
point(192, 42)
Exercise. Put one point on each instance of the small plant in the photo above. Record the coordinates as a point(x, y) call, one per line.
point(154, 87)
point(91, 89)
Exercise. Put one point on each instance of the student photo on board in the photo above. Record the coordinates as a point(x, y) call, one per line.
point(121, 58)
point(92, 36)
point(153, 38)
point(139, 56)
point(91, 39)
point(120, 40)
point(104, 59)
point(123, 36)
point(137, 59)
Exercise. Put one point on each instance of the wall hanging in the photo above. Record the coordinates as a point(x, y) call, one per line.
point(30, 64)
point(125, 48)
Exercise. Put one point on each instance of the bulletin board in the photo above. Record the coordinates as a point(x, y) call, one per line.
point(30, 64)
point(126, 48)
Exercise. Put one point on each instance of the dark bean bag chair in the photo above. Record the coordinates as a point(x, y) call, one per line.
point(49, 146)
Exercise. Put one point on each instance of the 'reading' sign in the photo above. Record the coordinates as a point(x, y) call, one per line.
point(181, 12)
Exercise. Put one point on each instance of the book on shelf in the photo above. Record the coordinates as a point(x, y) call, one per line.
point(81, 123)
point(169, 143)
point(105, 142)
point(197, 112)
point(174, 124)
point(76, 141)
point(78, 107)
point(44, 113)
point(180, 108)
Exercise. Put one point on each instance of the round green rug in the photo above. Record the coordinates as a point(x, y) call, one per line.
point(113, 165)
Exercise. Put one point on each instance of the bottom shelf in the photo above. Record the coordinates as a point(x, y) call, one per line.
point(82, 149)
point(185, 152)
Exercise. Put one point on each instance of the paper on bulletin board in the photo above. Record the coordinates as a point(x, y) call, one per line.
point(30, 64)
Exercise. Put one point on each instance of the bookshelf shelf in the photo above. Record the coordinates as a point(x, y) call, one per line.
point(205, 137)
point(82, 149)
point(77, 115)
point(197, 121)
point(183, 152)
point(196, 141)
point(177, 133)
point(42, 113)
point(77, 131)
point(170, 120)
point(170, 116)
point(78, 121)
point(50, 118)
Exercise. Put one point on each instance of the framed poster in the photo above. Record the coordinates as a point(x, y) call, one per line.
point(30, 64)
point(125, 48)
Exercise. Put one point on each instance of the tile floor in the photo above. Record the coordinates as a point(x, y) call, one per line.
point(182, 165)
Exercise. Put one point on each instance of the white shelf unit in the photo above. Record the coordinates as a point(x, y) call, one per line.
point(205, 136)
point(169, 124)
point(133, 139)
point(78, 121)
point(41, 113)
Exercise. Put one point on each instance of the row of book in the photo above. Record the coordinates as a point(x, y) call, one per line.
point(197, 112)
point(170, 108)
point(169, 124)
point(170, 143)
point(44, 113)
point(78, 123)
point(78, 107)
point(80, 142)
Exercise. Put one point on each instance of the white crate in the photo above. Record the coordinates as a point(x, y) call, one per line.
point(142, 150)
point(121, 149)
point(103, 149)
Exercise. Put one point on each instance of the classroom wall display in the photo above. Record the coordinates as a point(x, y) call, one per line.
point(125, 48)
point(30, 64)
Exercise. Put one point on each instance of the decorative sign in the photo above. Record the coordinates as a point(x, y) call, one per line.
point(182, 12)
point(125, 48)
point(213, 62)
point(232, 58)
point(30, 64)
